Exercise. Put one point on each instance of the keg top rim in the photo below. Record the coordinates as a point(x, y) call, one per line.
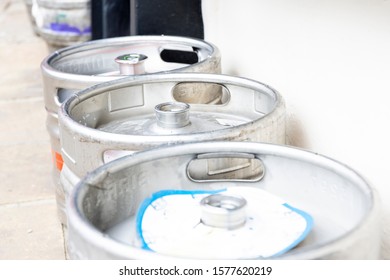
point(48, 69)
point(95, 177)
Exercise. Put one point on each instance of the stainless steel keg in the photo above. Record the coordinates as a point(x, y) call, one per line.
point(77, 67)
point(125, 116)
point(63, 22)
point(343, 206)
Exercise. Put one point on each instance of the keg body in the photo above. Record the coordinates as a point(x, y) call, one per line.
point(63, 23)
point(100, 124)
point(77, 67)
point(344, 207)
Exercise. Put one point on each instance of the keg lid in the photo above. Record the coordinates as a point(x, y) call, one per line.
point(100, 57)
point(232, 223)
point(173, 118)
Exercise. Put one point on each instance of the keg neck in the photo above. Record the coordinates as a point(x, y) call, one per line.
point(131, 64)
point(223, 211)
point(172, 114)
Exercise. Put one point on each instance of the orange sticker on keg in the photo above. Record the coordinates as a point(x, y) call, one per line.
point(57, 160)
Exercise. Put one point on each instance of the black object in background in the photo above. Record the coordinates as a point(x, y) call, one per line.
point(170, 17)
point(110, 18)
point(114, 18)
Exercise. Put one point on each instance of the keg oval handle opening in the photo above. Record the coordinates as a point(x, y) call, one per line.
point(240, 167)
point(205, 93)
point(64, 94)
point(179, 56)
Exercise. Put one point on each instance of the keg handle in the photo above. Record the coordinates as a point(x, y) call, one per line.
point(206, 167)
point(131, 64)
point(225, 155)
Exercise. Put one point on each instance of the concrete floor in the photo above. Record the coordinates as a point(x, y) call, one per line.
point(29, 226)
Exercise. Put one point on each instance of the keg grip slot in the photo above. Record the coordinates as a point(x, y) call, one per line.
point(63, 94)
point(179, 56)
point(225, 167)
point(206, 93)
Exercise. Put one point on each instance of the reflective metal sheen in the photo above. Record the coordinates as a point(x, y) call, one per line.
point(344, 207)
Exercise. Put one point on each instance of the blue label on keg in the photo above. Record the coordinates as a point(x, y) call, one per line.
point(232, 223)
point(66, 28)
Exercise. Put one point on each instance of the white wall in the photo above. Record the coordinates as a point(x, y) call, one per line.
point(330, 59)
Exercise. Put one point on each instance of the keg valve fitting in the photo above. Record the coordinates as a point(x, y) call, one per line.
point(172, 114)
point(223, 211)
point(131, 64)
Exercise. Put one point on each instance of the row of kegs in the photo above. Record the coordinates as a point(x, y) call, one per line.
point(158, 155)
